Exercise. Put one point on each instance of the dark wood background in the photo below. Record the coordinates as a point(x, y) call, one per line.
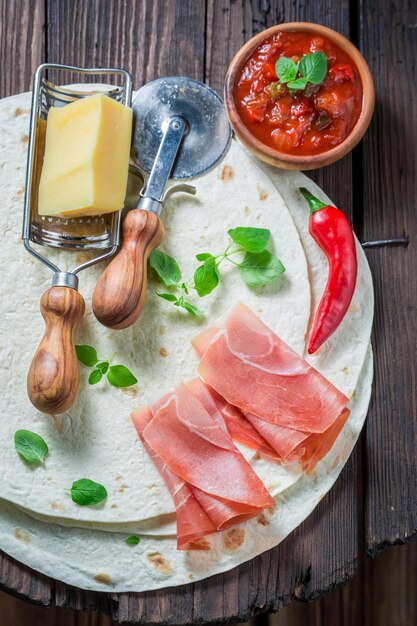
point(373, 504)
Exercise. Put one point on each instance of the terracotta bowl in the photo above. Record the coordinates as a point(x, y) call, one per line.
point(282, 159)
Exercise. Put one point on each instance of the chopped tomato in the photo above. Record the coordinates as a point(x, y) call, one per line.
point(257, 113)
point(302, 108)
point(341, 73)
point(268, 70)
point(317, 44)
point(336, 132)
point(280, 113)
point(335, 104)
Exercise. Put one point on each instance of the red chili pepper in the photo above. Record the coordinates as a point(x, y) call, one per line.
point(331, 230)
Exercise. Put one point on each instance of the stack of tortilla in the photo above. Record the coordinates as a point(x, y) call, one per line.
point(85, 546)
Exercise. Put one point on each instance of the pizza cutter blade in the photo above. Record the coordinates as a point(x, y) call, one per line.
point(181, 131)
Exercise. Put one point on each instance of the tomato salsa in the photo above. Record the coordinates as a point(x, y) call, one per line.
point(302, 121)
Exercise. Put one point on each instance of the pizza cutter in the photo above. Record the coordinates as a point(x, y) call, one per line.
point(181, 131)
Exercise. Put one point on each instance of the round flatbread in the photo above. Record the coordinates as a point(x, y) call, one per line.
point(97, 439)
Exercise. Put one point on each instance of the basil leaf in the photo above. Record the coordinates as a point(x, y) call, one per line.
point(184, 288)
point(121, 376)
point(87, 355)
point(133, 540)
point(103, 366)
point(165, 266)
point(260, 269)
point(206, 277)
point(300, 83)
point(313, 67)
point(30, 446)
point(167, 296)
point(95, 377)
point(86, 491)
point(251, 239)
point(286, 69)
point(203, 256)
point(191, 308)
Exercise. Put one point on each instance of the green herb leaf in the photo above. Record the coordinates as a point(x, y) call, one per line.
point(30, 446)
point(191, 308)
point(206, 277)
point(103, 366)
point(286, 69)
point(121, 376)
point(313, 67)
point(167, 296)
point(133, 540)
point(95, 377)
point(251, 239)
point(300, 83)
point(260, 269)
point(87, 355)
point(203, 256)
point(86, 491)
point(165, 266)
point(184, 288)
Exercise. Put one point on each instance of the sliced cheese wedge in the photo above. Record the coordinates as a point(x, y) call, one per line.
point(86, 158)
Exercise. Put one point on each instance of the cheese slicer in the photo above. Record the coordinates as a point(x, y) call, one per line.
point(181, 131)
point(53, 378)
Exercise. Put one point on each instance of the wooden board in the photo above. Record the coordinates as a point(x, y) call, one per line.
point(389, 170)
point(198, 38)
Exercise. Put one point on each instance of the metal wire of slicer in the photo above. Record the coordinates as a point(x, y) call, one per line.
point(53, 378)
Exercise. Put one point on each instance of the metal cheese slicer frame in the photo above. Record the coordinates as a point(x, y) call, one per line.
point(53, 378)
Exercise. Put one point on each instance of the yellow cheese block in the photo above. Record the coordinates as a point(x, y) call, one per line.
point(86, 160)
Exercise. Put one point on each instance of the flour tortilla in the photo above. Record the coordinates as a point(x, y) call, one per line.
point(341, 358)
point(93, 559)
point(101, 561)
point(97, 439)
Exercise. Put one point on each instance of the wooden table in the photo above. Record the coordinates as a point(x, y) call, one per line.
point(373, 502)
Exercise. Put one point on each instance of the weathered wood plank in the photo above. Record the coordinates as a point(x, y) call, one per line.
point(389, 42)
point(150, 39)
point(19, 613)
point(22, 43)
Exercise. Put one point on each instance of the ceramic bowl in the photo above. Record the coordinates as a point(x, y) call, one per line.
point(274, 156)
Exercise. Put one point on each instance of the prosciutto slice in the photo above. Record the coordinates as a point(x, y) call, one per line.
point(205, 456)
point(253, 369)
point(315, 447)
point(185, 442)
point(270, 439)
point(284, 441)
point(193, 523)
point(240, 429)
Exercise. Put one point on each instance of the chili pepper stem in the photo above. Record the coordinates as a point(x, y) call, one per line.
point(314, 203)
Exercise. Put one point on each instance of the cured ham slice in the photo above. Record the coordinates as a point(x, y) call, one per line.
point(203, 394)
point(185, 441)
point(315, 447)
point(284, 441)
point(269, 439)
point(193, 523)
point(253, 369)
point(195, 448)
point(240, 429)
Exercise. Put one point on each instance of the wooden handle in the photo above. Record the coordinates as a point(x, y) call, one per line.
point(120, 293)
point(53, 378)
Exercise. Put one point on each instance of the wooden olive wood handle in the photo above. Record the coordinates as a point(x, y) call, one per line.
point(53, 378)
point(120, 293)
